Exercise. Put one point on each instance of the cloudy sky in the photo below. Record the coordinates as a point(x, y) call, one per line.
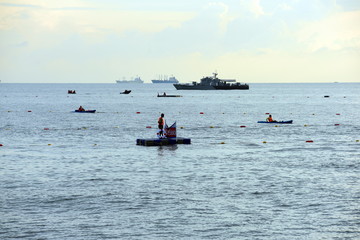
point(100, 41)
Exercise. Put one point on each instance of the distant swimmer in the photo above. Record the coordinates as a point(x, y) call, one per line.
point(81, 109)
point(269, 119)
point(161, 124)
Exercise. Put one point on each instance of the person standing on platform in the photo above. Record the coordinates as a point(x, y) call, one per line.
point(161, 124)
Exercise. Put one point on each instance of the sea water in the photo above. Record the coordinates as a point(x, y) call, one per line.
point(67, 175)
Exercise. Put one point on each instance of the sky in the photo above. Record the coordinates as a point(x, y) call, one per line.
point(101, 41)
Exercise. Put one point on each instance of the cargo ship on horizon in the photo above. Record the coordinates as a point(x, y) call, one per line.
point(135, 80)
point(165, 80)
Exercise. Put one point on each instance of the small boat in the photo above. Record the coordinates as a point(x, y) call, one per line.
point(86, 111)
point(71, 92)
point(126, 92)
point(167, 95)
point(278, 122)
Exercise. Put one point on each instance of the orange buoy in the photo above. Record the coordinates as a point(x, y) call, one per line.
point(242, 126)
point(309, 141)
point(201, 112)
point(267, 113)
point(137, 112)
point(29, 111)
point(148, 126)
point(1, 145)
point(338, 114)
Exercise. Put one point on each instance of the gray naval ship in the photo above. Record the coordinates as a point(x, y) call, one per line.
point(213, 83)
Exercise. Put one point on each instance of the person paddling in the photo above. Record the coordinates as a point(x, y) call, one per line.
point(161, 123)
point(81, 109)
point(269, 119)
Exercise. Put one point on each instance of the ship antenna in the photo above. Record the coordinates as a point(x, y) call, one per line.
point(215, 74)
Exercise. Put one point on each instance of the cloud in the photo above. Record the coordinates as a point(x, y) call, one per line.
point(252, 40)
point(336, 32)
point(19, 5)
point(224, 16)
point(253, 6)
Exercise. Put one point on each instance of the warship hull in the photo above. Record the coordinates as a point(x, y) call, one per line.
point(213, 83)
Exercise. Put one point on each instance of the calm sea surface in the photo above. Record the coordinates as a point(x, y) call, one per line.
point(66, 175)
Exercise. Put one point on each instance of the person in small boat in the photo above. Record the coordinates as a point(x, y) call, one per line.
point(161, 124)
point(164, 94)
point(81, 109)
point(270, 119)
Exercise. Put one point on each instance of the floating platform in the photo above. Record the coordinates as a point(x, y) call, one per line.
point(162, 141)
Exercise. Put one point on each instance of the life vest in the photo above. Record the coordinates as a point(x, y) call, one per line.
point(161, 121)
point(269, 119)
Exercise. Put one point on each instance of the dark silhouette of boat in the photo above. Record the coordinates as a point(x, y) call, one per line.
point(213, 83)
point(167, 95)
point(126, 92)
point(85, 111)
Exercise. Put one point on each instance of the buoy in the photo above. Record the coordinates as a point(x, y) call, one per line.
point(309, 141)
point(305, 125)
point(242, 126)
point(181, 127)
point(267, 113)
point(137, 112)
point(49, 144)
point(1, 145)
point(211, 126)
point(276, 125)
point(357, 141)
point(95, 144)
point(201, 112)
point(148, 126)
point(338, 114)
point(326, 96)
point(46, 128)
point(222, 143)
point(336, 124)
point(29, 111)
point(264, 142)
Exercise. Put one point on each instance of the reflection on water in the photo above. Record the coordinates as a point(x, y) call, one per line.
point(163, 150)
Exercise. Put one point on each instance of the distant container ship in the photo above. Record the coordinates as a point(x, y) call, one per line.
point(135, 80)
point(166, 80)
